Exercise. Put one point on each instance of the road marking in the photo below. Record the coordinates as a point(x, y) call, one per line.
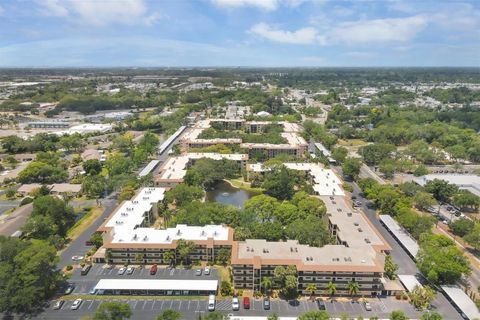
point(172, 272)
point(135, 305)
point(161, 305)
point(144, 303)
point(180, 306)
point(91, 303)
point(153, 304)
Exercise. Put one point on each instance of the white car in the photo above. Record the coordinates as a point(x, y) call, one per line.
point(121, 270)
point(76, 304)
point(368, 306)
point(211, 302)
point(235, 304)
point(130, 270)
point(206, 271)
point(77, 258)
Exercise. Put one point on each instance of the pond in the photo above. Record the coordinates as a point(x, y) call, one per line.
point(224, 193)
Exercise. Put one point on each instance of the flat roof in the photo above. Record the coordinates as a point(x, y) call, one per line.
point(409, 281)
point(352, 226)
point(328, 257)
point(175, 167)
point(157, 284)
point(402, 236)
point(468, 182)
point(462, 301)
point(170, 139)
point(325, 181)
point(148, 168)
point(323, 150)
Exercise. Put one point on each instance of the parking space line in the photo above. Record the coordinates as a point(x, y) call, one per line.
point(135, 305)
point(153, 304)
point(91, 303)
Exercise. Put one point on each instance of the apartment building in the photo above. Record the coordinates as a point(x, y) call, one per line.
point(253, 260)
point(129, 237)
point(174, 169)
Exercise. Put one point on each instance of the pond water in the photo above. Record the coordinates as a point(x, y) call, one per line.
point(223, 192)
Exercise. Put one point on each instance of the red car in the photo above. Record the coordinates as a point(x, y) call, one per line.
point(246, 303)
point(153, 270)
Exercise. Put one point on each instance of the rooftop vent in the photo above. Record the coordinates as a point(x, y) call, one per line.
point(179, 232)
point(145, 238)
point(135, 236)
point(355, 224)
point(367, 240)
point(203, 233)
point(360, 230)
point(168, 238)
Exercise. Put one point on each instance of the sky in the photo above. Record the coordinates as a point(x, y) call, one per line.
point(270, 33)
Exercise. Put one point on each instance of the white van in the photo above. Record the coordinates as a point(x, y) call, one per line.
point(211, 302)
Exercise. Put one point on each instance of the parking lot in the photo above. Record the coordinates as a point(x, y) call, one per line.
point(149, 308)
point(83, 284)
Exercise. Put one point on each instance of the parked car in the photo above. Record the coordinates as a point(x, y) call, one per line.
point(246, 303)
point(266, 304)
point(85, 269)
point(77, 258)
point(92, 291)
point(321, 305)
point(198, 272)
point(153, 270)
point(121, 270)
point(58, 304)
point(88, 243)
point(76, 304)
point(206, 271)
point(368, 306)
point(69, 288)
point(211, 302)
point(130, 270)
point(235, 304)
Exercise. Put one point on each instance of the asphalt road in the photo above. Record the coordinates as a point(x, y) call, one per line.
point(8, 204)
point(77, 247)
point(149, 308)
point(405, 264)
point(15, 220)
point(83, 284)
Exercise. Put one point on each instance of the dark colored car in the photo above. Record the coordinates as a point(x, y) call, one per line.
point(153, 270)
point(266, 304)
point(321, 305)
point(246, 303)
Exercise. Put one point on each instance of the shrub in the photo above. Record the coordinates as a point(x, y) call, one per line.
point(26, 200)
point(69, 267)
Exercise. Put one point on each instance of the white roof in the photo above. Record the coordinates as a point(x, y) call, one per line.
point(130, 214)
point(323, 150)
point(408, 242)
point(469, 182)
point(325, 181)
point(462, 301)
point(129, 217)
point(157, 284)
point(170, 139)
point(148, 168)
point(86, 128)
point(409, 281)
point(175, 167)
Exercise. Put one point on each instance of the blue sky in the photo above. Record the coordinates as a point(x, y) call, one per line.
point(239, 33)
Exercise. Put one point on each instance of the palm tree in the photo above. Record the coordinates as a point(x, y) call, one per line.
point(266, 283)
point(139, 257)
point(108, 255)
point(312, 287)
point(331, 289)
point(169, 256)
point(353, 287)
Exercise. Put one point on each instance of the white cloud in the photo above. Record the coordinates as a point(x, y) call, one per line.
point(101, 13)
point(268, 5)
point(52, 8)
point(379, 30)
point(2, 11)
point(301, 36)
